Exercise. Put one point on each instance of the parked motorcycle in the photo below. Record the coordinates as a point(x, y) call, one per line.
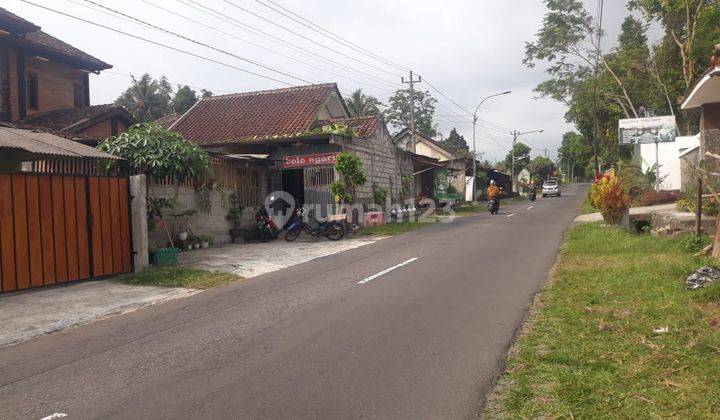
point(332, 230)
point(265, 225)
point(494, 205)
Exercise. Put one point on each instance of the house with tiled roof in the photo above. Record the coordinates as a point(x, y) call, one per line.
point(301, 130)
point(456, 165)
point(44, 84)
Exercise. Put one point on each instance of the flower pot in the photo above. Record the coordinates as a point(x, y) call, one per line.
point(189, 247)
point(204, 244)
point(196, 245)
point(183, 236)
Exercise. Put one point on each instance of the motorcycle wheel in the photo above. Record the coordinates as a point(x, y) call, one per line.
point(291, 235)
point(335, 232)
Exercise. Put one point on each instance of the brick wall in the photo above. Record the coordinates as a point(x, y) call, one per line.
point(55, 83)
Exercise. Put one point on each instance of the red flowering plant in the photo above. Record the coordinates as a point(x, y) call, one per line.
point(609, 195)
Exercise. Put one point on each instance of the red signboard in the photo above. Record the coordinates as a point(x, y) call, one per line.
point(300, 161)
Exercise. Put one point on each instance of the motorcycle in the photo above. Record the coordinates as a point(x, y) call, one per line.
point(332, 230)
point(265, 225)
point(494, 205)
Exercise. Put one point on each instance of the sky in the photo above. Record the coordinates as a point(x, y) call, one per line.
point(467, 49)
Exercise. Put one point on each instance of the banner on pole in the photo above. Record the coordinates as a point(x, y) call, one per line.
point(647, 130)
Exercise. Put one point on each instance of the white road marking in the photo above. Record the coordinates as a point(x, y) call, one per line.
point(511, 215)
point(54, 416)
point(385, 271)
point(530, 207)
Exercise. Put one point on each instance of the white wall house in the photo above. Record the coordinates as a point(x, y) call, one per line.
point(668, 156)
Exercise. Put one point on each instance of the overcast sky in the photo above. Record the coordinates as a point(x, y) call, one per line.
point(466, 48)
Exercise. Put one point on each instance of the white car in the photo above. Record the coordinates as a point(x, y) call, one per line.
point(551, 188)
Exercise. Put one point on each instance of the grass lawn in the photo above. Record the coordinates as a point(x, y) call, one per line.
point(587, 207)
point(391, 229)
point(590, 350)
point(177, 277)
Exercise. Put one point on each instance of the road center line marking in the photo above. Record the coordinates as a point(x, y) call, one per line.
point(385, 271)
point(511, 215)
point(530, 207)
point(54, 416)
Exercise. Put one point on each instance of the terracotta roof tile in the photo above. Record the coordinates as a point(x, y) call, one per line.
point(73, 120)
point(252, 116)
point(167, 120)
point(364, 126)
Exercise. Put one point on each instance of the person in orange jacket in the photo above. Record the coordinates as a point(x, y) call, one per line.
point(493, 190)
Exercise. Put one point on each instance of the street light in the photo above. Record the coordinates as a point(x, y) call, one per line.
point(517, 134)
point(474, 187)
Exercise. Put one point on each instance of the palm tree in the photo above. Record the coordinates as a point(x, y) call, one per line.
point(147, 99)
point(361, 105)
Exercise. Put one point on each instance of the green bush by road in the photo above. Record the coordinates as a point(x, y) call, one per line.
point(594, 347)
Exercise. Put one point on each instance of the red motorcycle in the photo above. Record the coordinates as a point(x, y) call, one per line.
point(266, 225)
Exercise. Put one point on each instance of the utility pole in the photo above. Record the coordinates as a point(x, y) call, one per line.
point(412, 82)
point(545, 151)
point(512, 171)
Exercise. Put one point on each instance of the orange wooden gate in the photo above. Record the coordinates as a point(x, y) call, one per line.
point(60, 228)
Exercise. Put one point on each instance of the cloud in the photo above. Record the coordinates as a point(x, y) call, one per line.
point(467, 48)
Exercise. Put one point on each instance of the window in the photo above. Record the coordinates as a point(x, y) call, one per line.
point(79, 95)
point(32, 91)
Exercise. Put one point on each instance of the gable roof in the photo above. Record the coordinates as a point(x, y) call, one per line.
point(706, 90)
point(29, 35)
point(437, 144)
point(364, 127)
point(75, 120)
point(168, 120)
point(253, 116)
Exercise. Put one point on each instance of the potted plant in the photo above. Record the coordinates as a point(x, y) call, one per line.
point(234, 216)
point(182, 222)
point(205, 241)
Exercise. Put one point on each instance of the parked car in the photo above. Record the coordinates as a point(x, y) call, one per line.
point(551, 188)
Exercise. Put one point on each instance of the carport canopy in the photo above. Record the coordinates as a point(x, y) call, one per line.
point(31, 145)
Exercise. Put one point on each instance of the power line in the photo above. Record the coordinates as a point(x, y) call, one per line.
point(203, 44)
point(255, 44)
point(263, 34)
point(129, 76)
point(157, 43)
point(328, 34)
point(306, 38)
point(447, 97)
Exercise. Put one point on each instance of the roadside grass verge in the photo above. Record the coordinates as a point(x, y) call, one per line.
point(587, 207)
point(589, 350)
point(177, 277)
point(391, 229)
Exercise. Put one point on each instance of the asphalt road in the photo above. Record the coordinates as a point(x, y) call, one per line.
point(331, 338)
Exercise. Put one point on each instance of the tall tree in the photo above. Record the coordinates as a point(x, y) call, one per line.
point(575, 154)
point(185, 97)
point(540, 167)
point(522, 157)
point(398, 112)
point(147, 99)
point(361, 105)
point(456, 142)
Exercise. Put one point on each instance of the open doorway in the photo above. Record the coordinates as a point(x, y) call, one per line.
point(294, 184)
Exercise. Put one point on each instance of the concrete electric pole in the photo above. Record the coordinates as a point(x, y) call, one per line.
point(412, 82)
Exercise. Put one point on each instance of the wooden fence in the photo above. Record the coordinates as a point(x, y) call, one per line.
point(60, 228)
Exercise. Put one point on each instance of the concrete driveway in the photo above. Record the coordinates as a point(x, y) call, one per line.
point(251, 260)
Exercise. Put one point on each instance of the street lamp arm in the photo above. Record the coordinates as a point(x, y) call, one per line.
point(485, 99)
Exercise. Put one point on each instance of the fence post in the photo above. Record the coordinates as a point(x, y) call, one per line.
point(138, 220)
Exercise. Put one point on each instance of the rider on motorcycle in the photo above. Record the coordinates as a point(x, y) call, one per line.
point(493, 190)
point(493, 194)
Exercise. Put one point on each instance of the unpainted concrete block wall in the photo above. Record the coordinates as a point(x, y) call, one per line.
point(212, 223)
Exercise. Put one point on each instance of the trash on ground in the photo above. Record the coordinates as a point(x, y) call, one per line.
point(701, 277)
point(661, 330)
